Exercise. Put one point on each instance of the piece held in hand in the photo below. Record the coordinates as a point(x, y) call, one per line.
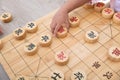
point(31, 27)
point(57, 75)
point(62, 32)
point(107, 13)
point(114, 53)
point(98, 7)
point(78, 75)
point(91, 36)
point(74, 21)
point(6, 17)
point(45, 40)
point(30, 49)
point(19, 33)
point(61, 58)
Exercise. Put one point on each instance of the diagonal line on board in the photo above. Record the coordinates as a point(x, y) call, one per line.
point(22, 58)
point(38, 66)
point(8, 64)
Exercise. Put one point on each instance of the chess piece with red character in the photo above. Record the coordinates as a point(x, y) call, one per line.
point(116, 18)
point(114, 53)
point(74, 21)
point(107, 13)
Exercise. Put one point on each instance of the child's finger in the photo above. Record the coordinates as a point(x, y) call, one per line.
point(56, 29)
point(52, 26)
point(67, 25)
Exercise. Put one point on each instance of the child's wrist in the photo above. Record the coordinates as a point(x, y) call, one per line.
point(64, 10)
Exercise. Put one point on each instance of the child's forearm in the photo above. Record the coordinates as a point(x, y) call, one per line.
point(72, 4)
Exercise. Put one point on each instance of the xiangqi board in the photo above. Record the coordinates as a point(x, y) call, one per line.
point(91, 58)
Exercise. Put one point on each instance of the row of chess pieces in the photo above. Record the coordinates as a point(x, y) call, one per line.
point(106, 12)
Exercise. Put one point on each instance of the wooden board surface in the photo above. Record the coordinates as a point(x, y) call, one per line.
point(82, 54)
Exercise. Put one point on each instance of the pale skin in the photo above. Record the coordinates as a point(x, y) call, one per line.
point(61, 16)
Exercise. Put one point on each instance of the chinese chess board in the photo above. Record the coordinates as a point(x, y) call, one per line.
point(91, 58)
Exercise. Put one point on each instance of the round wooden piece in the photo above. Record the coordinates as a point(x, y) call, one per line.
point(99, 6)
point(61, 58)
point(19, 33)
point(45, 40)
point(116, 18)
point(114, 53)
point(74, 21)
point(62, 32)
point(6, 17)
point(107, 13)
point(78, 75)
point(30, 49)
point(56, 75)
point(31, 27)
point(91, 36)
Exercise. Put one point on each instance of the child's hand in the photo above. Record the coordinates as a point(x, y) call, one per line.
point(59, 19)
